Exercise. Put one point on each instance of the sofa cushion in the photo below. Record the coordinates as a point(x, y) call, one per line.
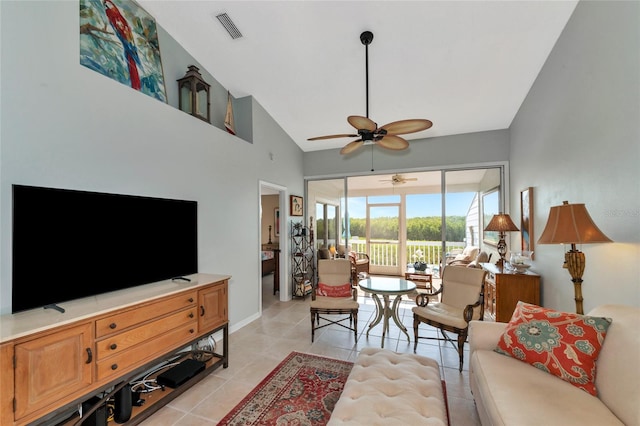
point(560, 343)
point(510, 392)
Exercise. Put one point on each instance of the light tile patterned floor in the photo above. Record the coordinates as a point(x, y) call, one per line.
point(259, 347)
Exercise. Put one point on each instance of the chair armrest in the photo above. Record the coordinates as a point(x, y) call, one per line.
point(485, 334)
point(361, 255)
point(459, 262)
point(468, 311)
point(422, 299)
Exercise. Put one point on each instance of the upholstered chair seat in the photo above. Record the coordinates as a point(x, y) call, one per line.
point(334, 295)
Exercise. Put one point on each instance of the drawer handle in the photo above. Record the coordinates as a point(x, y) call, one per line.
point(191, 330)
point(114, 367)
point(191, 315)
point(113, 346)
point(191, 300)
point(201, 310)
point(112, 325)
point(89, 356)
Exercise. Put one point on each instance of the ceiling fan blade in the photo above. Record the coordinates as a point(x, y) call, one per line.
point(360, 123)
point(346, 135)
point(403, 127)
point(351, 146)
point(393, 142)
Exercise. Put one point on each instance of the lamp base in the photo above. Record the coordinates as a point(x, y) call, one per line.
point(574, 261)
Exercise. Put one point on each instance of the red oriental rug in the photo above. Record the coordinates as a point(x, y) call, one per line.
point(303, 389)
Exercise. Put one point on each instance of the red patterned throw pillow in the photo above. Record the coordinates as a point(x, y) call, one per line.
point(563, 344)
point(327, 290)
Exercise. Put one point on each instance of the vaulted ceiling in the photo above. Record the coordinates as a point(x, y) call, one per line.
point(465, 65)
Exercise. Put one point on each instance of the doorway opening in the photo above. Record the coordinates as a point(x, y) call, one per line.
point(272, 281)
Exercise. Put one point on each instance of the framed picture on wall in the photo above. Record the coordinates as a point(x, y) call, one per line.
point(295, 205)
point(119, 39)
point(276, 220)
point(526, 219)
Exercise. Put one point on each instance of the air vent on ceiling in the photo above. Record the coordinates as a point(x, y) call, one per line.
point(228, 25)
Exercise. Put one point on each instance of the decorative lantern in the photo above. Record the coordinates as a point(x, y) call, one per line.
point(194, 94)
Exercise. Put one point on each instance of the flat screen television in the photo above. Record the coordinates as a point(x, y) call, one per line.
point(69, 244)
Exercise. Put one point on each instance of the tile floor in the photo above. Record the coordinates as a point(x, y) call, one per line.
point(259, 347)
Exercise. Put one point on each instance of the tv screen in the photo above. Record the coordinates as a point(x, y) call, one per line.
point(70, 244)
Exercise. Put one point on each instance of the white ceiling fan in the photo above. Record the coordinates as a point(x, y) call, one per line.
point(398, 179)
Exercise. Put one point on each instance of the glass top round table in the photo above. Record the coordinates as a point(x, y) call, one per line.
point(385, 287)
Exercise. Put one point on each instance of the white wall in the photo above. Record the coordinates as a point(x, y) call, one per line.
point(577, 138)
point(63, 125)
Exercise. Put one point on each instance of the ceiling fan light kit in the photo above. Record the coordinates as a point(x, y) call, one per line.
point(368, 131)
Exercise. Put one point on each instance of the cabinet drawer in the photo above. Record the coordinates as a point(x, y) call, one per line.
point(117, 343)
point(118, 322)
point(125, 361)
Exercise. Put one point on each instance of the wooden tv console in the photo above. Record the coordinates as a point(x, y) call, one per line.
point(50, 361)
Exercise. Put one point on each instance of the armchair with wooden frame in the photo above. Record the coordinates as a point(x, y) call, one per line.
point(461, 300)
point(334, 294)
point(359, 265)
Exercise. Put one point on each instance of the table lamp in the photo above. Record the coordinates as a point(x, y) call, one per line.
point(501, 223)
point(571, 224)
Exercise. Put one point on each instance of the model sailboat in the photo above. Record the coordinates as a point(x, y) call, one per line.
point(228, 118)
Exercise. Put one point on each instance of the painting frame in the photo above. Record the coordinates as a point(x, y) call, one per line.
point(490, 207)
point(276, 221)
point(526, 220)
point(295, 205)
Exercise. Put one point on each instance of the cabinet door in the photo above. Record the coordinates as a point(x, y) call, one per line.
point(212, 303)
point(52, 368)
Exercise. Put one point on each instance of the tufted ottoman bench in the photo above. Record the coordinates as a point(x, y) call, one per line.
point(388, 388)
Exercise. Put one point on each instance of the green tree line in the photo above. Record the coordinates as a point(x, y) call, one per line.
point(418, 228)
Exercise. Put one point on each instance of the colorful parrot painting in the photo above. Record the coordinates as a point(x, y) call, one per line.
point(123, 31)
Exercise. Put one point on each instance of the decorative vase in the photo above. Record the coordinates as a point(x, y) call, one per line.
point(420, 266)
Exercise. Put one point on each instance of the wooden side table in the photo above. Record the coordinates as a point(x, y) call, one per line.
point(503, 289)
point(422, 279)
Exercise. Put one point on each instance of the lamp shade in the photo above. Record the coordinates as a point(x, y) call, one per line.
point(501, 222)
point(571, 224)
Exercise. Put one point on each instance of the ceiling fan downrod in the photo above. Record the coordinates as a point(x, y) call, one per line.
point(366, 38)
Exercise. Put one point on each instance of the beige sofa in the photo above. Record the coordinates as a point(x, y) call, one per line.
point(511, 392)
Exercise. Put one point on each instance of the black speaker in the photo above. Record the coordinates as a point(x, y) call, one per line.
point(98, 417)
point(122, 405)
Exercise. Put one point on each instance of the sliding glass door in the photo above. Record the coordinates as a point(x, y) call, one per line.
point(328, 198)
point(465, 193)
point(399, 219)
point(383, 236)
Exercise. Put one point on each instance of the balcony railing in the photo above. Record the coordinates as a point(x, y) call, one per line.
point(385, 253)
